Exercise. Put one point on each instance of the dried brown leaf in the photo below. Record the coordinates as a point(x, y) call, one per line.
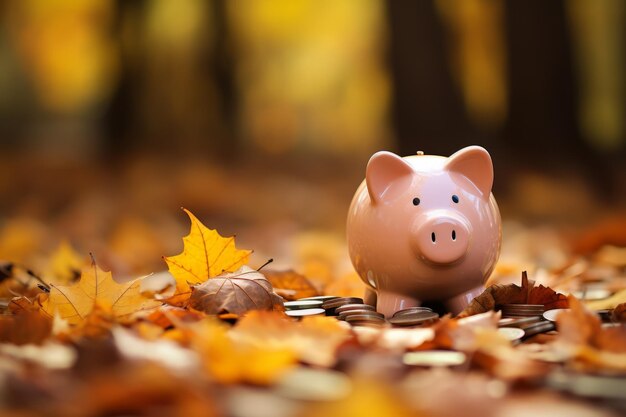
point(527, 293)
point(236, 293)
point(619, 313)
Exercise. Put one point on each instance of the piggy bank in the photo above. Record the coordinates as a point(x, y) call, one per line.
point(425, 228)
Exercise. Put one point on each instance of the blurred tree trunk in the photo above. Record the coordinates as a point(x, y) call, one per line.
point(428, 112)
point(542, 130)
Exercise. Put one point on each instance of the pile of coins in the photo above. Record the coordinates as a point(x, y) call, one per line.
point(352, 310)
point(521, 310)
point(526, 317)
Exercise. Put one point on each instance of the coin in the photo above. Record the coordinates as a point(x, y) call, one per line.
point(366, 319)
point(541, 327)
point(305, 312)
point(411, 310)
point(511, 333)
point(366, 315)
point(307, 384)
point(413, 319)
point(519, 322)
point(348, 307)
point(320, 297)
point(551, 315)
point(434, 358)
point(521, 310)
point(303, 304)
point(331, 305)
point(586, 385)
point(345, 314)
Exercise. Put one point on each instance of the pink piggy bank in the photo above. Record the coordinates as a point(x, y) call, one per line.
point(425, 228)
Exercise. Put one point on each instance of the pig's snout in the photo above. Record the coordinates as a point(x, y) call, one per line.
point(441, 237)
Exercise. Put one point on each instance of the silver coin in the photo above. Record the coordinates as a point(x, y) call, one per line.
point(353, 318)
point(551, 315)
point(411, 310)
point(307, 384)
point(348, 307)
point(306, 312)
point(302, 304)
point(511, 333)
point(343, 315)
point(519, 322)
point(320, 297)
point(336, 302)
point(422, 317)
point(434, 358)
point(587, 385)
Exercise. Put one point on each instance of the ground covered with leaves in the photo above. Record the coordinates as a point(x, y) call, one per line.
point(210, 336)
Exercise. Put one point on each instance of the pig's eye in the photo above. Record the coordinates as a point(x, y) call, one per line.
point(416, 201)
point(455, 198)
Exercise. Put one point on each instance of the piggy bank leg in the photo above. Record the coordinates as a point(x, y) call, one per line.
point(388, 303)
point(370, 297)
point(457, 304)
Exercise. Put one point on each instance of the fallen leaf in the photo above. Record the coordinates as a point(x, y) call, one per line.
point(64, 265)
point(96, 287)
point(24, 328)
point(368, 397)
point(205, 255)
point(232, 361)
point(619, 313)
point(588, 345)
point(290, 285)
point(314, 340)
point(514, 294)
point(236, 293)
point(167, 316)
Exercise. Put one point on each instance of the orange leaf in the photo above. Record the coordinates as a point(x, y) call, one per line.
point(25, 327)
point(205, 255)
point(74, 303)
point(290, 285)
point(313, 340)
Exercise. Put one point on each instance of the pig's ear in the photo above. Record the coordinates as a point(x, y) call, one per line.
point(387, 176)
point(473, 163)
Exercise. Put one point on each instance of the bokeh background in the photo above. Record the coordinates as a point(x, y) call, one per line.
point(259, 116)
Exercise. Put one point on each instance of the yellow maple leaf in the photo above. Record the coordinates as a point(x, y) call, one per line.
point(96, 288)
point(205, 255)
point(64, 264)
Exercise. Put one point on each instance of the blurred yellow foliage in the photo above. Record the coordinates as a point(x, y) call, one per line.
point(67, 50)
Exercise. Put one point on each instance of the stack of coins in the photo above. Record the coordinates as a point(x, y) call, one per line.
point(365, 318)
point(521, 310)
point(332, 304)
point(527, 317)
point(414, 316)
point(353, 311)
point(301, 308)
